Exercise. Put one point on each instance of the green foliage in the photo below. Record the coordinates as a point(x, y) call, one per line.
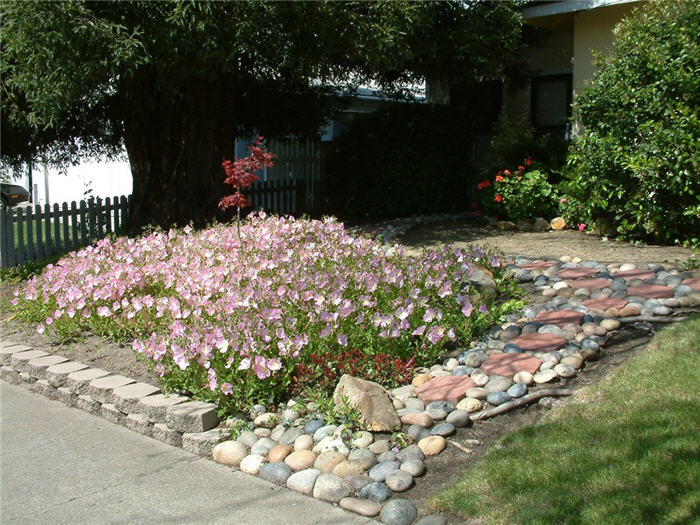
point(515, 139)
point(26, 271)
point(402, 159)
point(636, 166)
point(519, 194)
point(176, 82)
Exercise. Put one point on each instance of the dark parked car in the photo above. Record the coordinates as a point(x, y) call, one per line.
point(12, 195)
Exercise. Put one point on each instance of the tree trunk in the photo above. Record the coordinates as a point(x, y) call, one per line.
point(175, 149)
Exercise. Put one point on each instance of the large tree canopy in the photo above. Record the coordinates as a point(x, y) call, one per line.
point(176, 82)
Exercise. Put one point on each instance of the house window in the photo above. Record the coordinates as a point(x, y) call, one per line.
point(550, 104)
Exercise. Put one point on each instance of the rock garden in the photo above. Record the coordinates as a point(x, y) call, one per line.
point(331, 364)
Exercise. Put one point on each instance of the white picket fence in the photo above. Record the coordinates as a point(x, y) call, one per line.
point(300, 160)
point(39, 232)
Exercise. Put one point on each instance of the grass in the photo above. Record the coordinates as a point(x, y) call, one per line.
point(626, 451)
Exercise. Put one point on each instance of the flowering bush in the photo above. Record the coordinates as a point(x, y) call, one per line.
point(521, 194)
point(237, 334)
point(637, 162)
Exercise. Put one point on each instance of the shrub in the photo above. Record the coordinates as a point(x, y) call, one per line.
point(235, 329)
point(515, 139)
point(520, 194)
point(402, 159)
point(636, 166)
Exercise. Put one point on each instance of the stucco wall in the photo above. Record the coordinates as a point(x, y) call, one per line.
point(593, 30)
point(553, 55)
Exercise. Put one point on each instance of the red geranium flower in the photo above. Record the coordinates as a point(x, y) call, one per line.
point(498, 198)
point(499, 178)
point(528, 161)
point(507, 172)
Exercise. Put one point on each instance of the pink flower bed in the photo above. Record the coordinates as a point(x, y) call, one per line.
point(231, 326)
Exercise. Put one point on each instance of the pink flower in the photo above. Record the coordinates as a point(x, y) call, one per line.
point(562, 200)
point(582, 226)
point(227, 389)
point(260, 368)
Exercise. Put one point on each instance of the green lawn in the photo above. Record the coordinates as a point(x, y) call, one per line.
point(627, 452)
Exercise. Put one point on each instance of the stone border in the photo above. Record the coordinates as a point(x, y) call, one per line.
point(294, 448)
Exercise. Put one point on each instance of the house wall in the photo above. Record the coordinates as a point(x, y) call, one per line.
point(553, 55)
point(593, 31)
point(568, 45)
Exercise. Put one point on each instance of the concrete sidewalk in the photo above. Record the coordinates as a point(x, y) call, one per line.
point(61, 465)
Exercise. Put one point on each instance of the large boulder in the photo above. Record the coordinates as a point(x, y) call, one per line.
point(377, 412)
point(482, 280)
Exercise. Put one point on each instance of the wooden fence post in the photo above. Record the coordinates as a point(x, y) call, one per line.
point(7, 237)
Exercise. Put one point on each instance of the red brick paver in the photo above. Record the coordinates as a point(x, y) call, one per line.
point(510, 364)
point(576, 273)
point(650, 291)
point(693, 282)
point(451, 388)
point(591, 284)
point(604, 303)
point(539, 342)
point(538, 265)
point(636, 274)
point(559, 317)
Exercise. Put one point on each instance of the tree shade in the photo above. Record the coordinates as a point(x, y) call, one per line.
point(176, 82)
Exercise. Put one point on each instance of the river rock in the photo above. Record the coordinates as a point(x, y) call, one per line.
point(251, 464)
point(399, 480)
point(498, 383)
point(379, 446)
point(575, 361)
point(523, 377)
point(420, 418)
point(420, 379)
point(327, 461)
point(363, 507)
point(300, 460)
point(389, 455)
point(303, 481)
point(564, 370)
point(398, 512)
point(544, 376)
point(469, 404)
point(376, 491)
point(443, 429)
point(267, 420)
point(410, 452)
point(262, 446)
point(229, 453)
point(498, 398)
point(278, 453)
point(331, 488)
point(413, 403)
point(458, 418)
point(304, 442)
point(365, 456)
point(517, 390)
point(248, 438)
point(414, 467)
point(417, 432)
point(276, 473)
point(432, 445)
point(380, 470)
point(479, 378)
point(477, 393)
point(349, 467)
